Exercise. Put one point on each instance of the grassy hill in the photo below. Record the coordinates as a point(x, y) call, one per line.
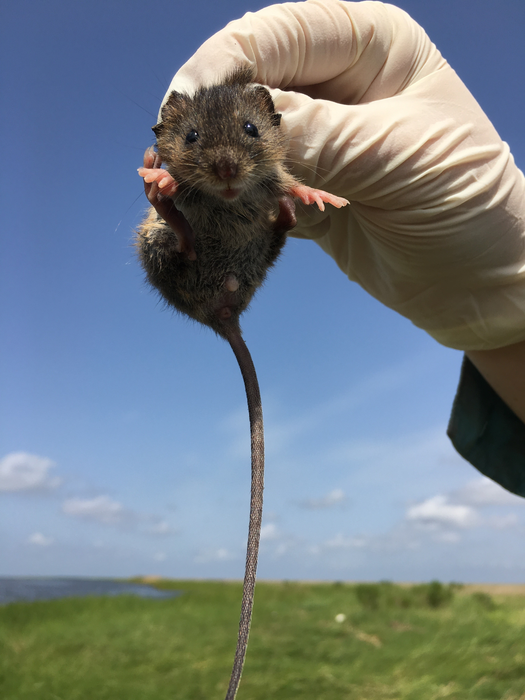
point(309, 641)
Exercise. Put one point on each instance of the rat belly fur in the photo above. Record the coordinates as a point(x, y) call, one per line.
point(233, 241)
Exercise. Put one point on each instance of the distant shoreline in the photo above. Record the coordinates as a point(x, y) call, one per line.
point(493, 589)
point(502, 589)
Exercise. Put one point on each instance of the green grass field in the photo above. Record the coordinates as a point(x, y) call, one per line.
point(419, 643)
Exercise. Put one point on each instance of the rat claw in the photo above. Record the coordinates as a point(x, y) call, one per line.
point(318, 200)
point(166, 184)
point(151, 158)
point(309, 195)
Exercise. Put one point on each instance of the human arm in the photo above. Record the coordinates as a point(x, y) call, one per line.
point(375, 114)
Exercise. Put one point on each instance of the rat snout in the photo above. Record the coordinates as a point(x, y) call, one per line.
point(226, 168)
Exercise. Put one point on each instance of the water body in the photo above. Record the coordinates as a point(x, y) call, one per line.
point(30, 589)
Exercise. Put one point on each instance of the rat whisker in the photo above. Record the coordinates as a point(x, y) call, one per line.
point(137, 104)
point(315, 170)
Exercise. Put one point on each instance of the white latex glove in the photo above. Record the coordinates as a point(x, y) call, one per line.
point(436, 226)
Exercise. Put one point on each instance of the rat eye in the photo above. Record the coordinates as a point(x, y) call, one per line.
point(192, 136)
point(251, 130)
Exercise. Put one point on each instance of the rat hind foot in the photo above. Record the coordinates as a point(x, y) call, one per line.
point(309, 195)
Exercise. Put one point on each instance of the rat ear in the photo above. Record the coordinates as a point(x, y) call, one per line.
point(170, 110)
point(175, 99)
point(173, 106)
point(263, 96)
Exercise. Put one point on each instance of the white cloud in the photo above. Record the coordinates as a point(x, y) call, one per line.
point(485, 492)
point(282, 549)
point(20, 471)
point(439, 511)
point(220, 554)
point(40, 540)
point(334, 498)
point(342, 542)
point(462, 508)
point(275, 542)
point(108, 511)
point(160, 556)
point(102, 509)
point(160, 528)
point(269, 532)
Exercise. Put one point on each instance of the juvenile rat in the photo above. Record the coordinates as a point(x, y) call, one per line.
point(218, 222)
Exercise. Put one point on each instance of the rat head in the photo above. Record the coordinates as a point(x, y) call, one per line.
point(224, 140)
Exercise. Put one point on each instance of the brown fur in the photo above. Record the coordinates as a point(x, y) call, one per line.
point(238, 237)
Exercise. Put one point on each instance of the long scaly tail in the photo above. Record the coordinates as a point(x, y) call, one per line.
point(253, 396)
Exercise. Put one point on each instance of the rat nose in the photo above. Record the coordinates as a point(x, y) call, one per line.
point(226, 168)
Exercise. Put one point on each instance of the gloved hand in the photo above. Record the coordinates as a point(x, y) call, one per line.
point(374, 113)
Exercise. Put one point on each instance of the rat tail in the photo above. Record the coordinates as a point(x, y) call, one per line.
point(253, 396)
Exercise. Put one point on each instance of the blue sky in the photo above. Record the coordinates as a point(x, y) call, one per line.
point(124, 440)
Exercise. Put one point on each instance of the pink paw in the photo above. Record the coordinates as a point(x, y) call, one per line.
point(308, 195)
point(166, 184)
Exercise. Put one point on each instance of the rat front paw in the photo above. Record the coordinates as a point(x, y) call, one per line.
point(308, 195)
point(159, 186)
point(157, 181)
point(166, 185)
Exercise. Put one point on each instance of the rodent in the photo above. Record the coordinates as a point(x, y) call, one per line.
point(230, 177)
point(207, 248)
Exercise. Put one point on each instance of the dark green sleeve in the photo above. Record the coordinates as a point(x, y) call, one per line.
point(486, 432)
